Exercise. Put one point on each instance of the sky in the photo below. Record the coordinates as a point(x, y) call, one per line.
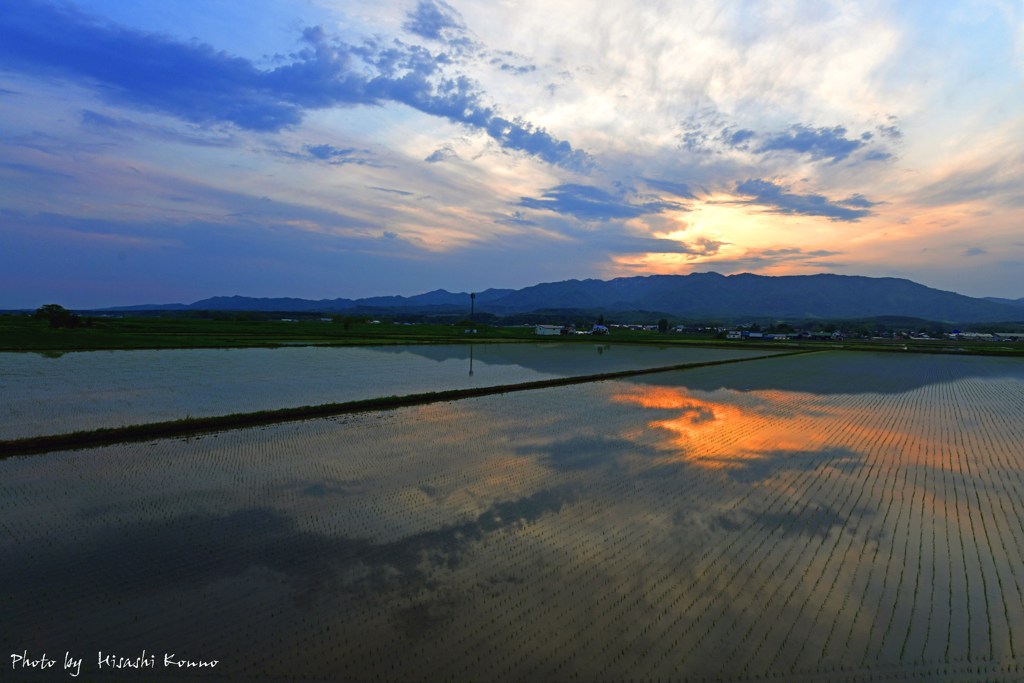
point(164, 152)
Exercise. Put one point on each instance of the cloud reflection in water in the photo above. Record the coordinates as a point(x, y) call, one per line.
point(680, 526)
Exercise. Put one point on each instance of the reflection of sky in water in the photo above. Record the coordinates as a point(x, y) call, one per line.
point(696, 523)
point(47, 394)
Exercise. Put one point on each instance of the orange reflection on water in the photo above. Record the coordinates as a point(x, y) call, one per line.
point(720, 435)
point(725, 429)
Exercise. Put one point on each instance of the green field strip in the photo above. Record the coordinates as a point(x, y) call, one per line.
point(191, 426)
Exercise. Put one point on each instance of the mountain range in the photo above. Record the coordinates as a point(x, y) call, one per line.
point(695, 296)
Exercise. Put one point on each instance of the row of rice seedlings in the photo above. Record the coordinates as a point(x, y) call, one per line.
point(887, 485)
point(994, 592)
point(755, 543)
point(896, 554)
point(826, 647)
point(269, 552)
point(786, 561)
point(143, 509)
point(703, 571)
point(1011, 590)
point(1005, 473)
point(656, 595)
point(485, 545)
point(572, 575)
point(855, 542)
point(931, 398)
point(107, 612)
point(496, 648)
point(976, 614)
point(979, 619)
point(958, 603)
point(617, 602)
point(933, 551)
point(930, 573)
point(940, 613)
point(973, 457)
point(620, 601)
point(832, 559)
point(922, 601)
point(572, 589)
point(519, 621)
point(868, 481)
point(890, 648)
point(866, 478)
point(778, 641)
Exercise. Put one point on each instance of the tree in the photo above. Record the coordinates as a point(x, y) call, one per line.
point(663, 325)
point(58, 316)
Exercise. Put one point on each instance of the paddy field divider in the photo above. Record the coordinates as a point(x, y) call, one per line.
point(192, 426)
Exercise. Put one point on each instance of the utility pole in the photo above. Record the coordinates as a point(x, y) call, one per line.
point(472, 302)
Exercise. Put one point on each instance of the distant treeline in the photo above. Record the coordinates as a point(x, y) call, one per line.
point(580, 318)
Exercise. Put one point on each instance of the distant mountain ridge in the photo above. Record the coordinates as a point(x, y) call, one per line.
point(699, 295)
point(1011, 302)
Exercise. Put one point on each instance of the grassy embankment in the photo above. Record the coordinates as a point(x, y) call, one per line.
point(22, 333)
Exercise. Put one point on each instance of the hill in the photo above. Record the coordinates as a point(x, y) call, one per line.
point(695, 296)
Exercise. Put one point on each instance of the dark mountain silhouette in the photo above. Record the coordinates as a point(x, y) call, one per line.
point(1011, 302)
point(696, 296)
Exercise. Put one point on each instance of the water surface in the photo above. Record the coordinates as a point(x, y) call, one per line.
point(55, 393)
point(720, 523)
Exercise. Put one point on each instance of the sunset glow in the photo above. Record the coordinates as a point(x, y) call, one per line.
point(357, 148)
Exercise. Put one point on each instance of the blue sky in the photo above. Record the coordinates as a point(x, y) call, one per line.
point(166, 152)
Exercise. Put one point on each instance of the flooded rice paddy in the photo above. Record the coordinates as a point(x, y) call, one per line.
point(831, 517)
point(62, 392)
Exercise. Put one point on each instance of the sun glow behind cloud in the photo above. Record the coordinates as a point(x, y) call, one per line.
point(463, 137)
